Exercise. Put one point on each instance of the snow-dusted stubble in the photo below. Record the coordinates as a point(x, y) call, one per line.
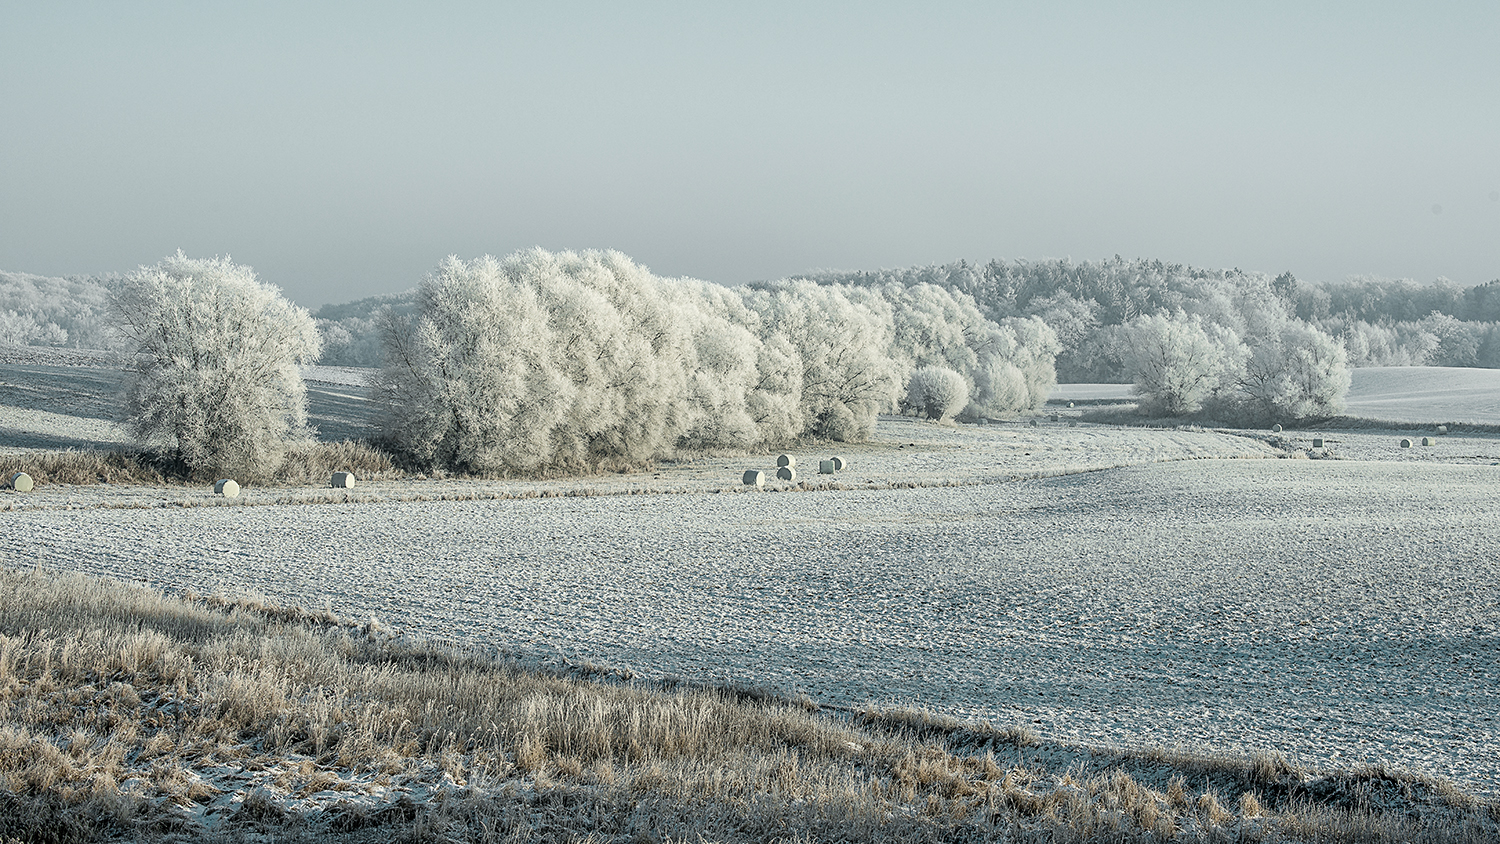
point(217, 377)
point(1174, 361)
point(1296, 371)
point(847, 376)
point(937, 392)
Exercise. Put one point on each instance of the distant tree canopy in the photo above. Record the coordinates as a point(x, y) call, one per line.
point(1382, 322)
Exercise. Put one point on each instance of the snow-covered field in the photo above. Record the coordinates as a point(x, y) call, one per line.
point(1425, 394)
point(1417, 394)
point(1113, 586)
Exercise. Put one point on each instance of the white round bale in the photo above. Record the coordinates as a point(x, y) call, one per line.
point(21, 482)
point(1442, 429)
point(342, 480)
point(755, 477)
point(1429, 441)
point(1405, 443)
point(786, 473)
point(786, 460)
point(839, 463)
point(227, 488)
point(1275, 429)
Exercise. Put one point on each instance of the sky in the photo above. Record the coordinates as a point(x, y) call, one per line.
point(343, 149)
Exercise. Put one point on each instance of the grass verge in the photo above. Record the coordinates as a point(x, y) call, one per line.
point(127, 713)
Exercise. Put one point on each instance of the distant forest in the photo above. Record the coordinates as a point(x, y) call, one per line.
point(1381, 322)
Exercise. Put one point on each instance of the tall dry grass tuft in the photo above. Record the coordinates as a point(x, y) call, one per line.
point(127, 713)
point(84, 467)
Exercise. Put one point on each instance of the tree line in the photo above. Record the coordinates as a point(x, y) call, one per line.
point(566, 361)
point(545, 361)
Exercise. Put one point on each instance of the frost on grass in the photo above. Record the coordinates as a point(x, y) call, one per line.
point(133, 715)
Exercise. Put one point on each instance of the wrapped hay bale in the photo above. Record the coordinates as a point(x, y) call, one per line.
point(1405, 443)
point(1275, 429)
point(342, 480)
point(825, 467)
point(1429, 441)
point(227, 488)
point(786, 473)
point(755, 478)
point(787, 461)
point(1442, 429)
point(21, 482)
point(1317, 442)
point(839, 464)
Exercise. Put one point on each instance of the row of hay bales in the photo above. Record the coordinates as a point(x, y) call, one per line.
point(1408, 442)
point(227, 487)
point(786, 470)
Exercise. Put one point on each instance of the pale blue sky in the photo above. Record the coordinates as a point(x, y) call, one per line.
point(344, 149)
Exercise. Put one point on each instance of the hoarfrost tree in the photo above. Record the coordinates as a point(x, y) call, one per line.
point(563, 361)
point(1296, 372)
point(1016, 367)
point(847, 376)
point(1174, 361)
point(937, 392)
point(216, 380)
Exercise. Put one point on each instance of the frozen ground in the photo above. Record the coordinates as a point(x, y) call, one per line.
point(1425, 394)
point(1111, 586)
point(1341, 611)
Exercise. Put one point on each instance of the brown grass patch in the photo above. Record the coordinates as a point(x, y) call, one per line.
point(128, 713)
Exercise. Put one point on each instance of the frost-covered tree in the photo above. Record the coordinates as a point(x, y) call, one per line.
point(1015, 368)
point(937, 392)
point(1294, 372)
point(216, 379)
point(566, 360)
point(1175, 362)
point(843, 346)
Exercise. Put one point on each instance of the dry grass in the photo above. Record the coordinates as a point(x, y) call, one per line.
point(127, 713)
point(311, 463)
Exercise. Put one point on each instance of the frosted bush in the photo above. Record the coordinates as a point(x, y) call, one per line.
point(217, 381)
point(937, 393)
point(1015, 369)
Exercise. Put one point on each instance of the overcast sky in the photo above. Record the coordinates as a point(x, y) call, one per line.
point(342, 150)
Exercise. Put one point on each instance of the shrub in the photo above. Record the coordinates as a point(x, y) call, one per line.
point(937, 393)
point(217, 384)
point(842, 348)
point(563, 361)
